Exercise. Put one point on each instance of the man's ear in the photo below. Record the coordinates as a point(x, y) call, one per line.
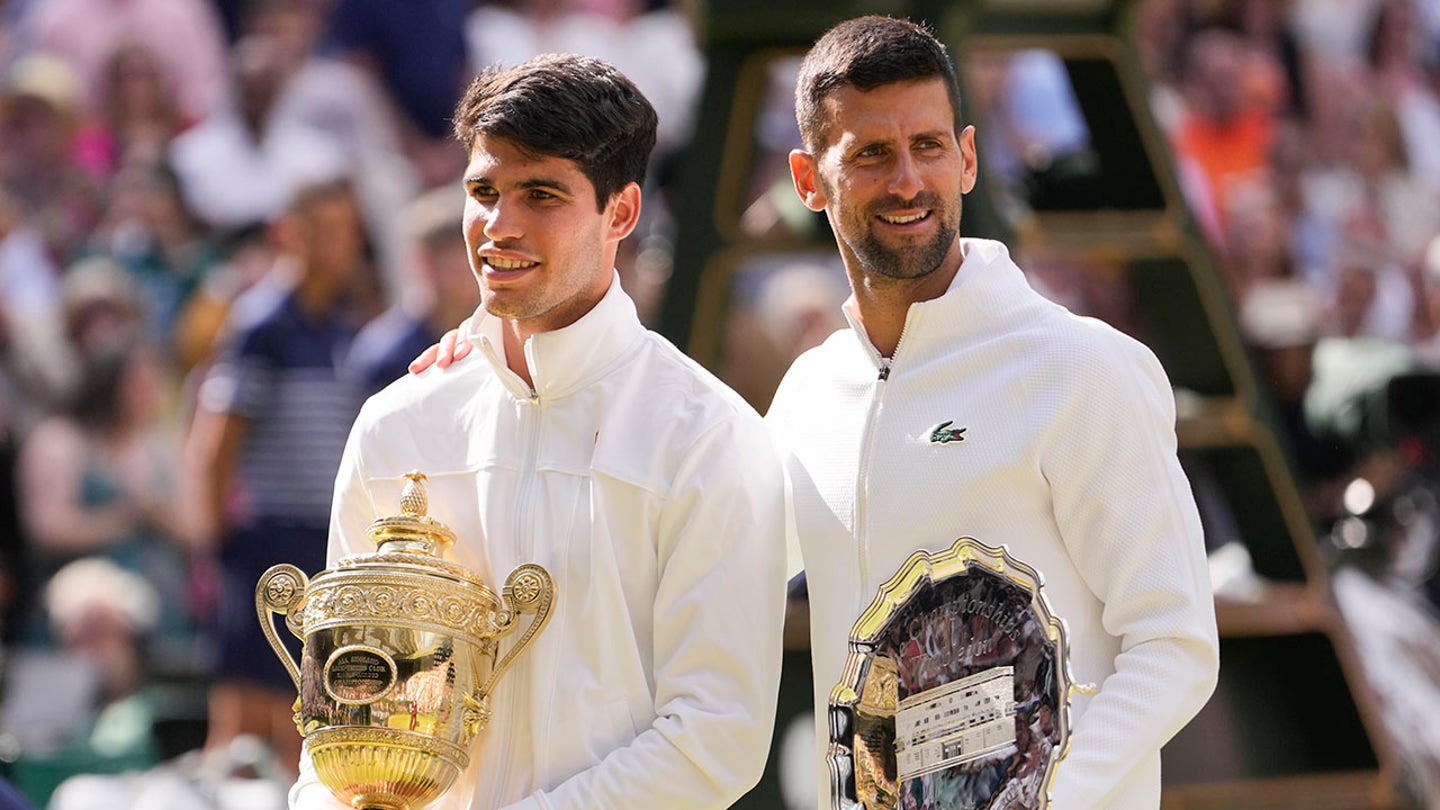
point(804, 171)
point(971, 165)
point(624, 211)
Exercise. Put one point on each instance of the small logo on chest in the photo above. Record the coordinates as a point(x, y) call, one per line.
point(944, 434)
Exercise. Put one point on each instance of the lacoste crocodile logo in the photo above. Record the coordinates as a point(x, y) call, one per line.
point(944, 434)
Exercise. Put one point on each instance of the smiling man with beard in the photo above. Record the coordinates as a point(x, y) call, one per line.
point(962, 403)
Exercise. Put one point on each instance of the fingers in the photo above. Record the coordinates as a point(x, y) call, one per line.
point(452, 348)
point(425, 360)
point(447, 349)
point(462, 347)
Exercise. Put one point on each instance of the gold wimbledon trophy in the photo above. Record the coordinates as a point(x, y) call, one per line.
point(400, 657)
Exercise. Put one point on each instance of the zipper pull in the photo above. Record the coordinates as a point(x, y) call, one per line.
point(884, 368)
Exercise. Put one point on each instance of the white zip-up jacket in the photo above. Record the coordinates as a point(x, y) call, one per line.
point(653, 495)
point(1067, 457)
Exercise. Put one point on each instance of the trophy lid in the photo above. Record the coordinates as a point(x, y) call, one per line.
point(412, 530)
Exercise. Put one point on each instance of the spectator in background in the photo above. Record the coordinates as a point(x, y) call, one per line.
point(416, 51)
point(102, 477)
point(267, 436)
point(249, 259)
point(1278, 66)
point(29, 314)
point(1256, 245)
point(154, 236)
point(99, 612)
point(1226, 129)
point(184, 35)
point(1160, 28)
point(139, 116)
point(241, 165)
point(38, 161)
point(655, 47)
point(1280, 318)
point(346, 106)
point(1395, 52)
point(439, 292)
point(1372, 297)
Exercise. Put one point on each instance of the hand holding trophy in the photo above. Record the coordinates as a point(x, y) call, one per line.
point(399, 658)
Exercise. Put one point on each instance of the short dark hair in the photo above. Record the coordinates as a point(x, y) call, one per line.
point(565, 106)
point(865, 53)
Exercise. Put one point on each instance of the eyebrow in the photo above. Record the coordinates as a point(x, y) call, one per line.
point(534, 182)
point(934, 134)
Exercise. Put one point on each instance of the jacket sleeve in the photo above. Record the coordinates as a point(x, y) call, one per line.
point(718, 615)
point(1129, 522)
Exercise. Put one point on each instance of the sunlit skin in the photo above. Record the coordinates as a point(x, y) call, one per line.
point(541, 252)
point(890, 180)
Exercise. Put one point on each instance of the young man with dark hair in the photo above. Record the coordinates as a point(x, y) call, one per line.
point(1060, 442)
point(593, 447)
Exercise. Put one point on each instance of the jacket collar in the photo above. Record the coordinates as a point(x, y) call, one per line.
point(566, 360)
point(987, 286)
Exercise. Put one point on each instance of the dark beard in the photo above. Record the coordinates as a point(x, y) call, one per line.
point(910, 262)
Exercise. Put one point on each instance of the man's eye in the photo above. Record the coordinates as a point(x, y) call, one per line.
point(482, 192)
point(538, 194)
point(870, 151)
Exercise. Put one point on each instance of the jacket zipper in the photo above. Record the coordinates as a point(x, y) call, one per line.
point(532, 414)
point(862, 478)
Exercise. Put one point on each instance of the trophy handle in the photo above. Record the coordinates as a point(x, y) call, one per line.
point(281, 590)
point(528, 589)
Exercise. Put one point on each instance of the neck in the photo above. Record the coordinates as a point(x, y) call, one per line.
point(314, 296)
point(882, 303)
point(514, 335)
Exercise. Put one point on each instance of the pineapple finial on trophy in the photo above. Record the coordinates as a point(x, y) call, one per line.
point(413, 530)
point(413, 500)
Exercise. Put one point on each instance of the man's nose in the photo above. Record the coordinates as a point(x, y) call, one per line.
point(502, 222)
point(905, 183)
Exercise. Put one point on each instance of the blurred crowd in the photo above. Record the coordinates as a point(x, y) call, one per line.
point(189, 185)
point(1304, 135)
point(223, 224)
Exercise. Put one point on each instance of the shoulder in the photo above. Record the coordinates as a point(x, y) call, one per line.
point(678, 382)
point(415, 399)
point(670, 421)
point(837, 359)
point(256, 313)
point(1092, 349)
point(1086, 371)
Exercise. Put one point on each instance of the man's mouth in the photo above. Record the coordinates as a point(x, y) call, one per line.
point(503, 264)
point(904, 219)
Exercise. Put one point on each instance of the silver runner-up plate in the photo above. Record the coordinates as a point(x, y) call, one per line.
point(956, 690)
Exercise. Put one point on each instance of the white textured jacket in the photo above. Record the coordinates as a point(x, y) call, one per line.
point(1068, 458)
point(652, 494)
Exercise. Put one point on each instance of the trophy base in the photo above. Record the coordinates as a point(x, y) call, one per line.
point(370, 768)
